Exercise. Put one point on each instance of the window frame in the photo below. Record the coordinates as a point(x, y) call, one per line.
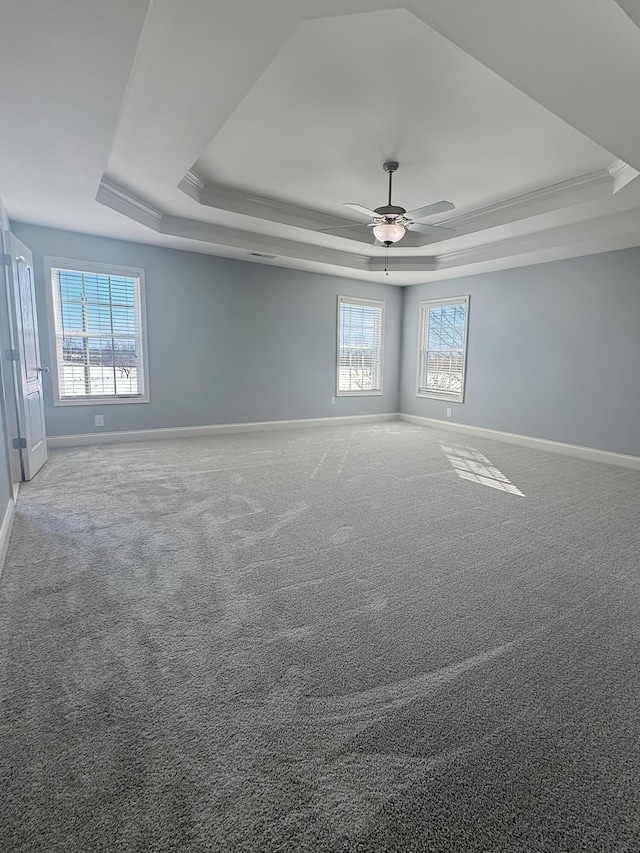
point(375, 303)
point(438, 303)
point(51, 263)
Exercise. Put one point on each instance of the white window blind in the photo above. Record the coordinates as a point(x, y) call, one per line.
point(360, 330)
point(98, 329)
point(442, 348)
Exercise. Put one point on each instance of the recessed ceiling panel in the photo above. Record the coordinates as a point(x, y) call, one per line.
point(346, 93)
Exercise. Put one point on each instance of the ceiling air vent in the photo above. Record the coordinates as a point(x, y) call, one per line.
point(261, 255)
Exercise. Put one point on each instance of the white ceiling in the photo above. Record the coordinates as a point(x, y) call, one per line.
point(234, 128)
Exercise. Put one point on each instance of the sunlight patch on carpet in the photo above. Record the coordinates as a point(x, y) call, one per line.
point(470, 464)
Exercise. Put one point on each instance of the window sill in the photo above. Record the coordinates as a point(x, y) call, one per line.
point(101, 401)
point(358, 393)
point(429, 395)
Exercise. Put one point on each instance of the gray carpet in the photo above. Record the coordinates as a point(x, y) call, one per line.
point(372, 638)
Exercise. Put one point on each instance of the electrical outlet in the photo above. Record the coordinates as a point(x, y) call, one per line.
point(449, 413)
point(333, 401)
point(99, 420)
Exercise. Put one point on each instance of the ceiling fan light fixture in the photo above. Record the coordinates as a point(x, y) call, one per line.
point(388, 232)
point(391, 222)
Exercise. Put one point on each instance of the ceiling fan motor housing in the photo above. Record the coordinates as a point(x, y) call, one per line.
point(390, 210)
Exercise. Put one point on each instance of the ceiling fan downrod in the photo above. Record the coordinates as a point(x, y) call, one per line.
point(390, 166)
point(390, 211)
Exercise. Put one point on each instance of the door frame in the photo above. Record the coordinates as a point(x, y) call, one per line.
point(8, 367)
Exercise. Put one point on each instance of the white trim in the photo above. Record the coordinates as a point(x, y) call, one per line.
point(222, 235)
point(117, 198)
point(518, 207)
point(450, 300)
point(54, 441)
point(194, 181)
point(593, 454)
point(617, 168)
point(551, 197)
point(370, 303)
point(101, 401)
point(622, 174)
point(268, 208)
point(113, 269)
point(590, 453)
point(5, 531)
point(575, 239)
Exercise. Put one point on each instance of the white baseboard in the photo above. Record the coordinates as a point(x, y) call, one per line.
point(590, 453)
point(5, 531)
point(211, 429)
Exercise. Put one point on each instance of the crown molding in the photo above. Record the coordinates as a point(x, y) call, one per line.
point(192, 185)
point(117, 198)
point(193, 180)
point(617, 168)
point(622, 174)
point(576, 234)
point(197, 229)
point(574, 237)
point(274, 210)
point(500, 249)
point(543, 200)
point(271, 209)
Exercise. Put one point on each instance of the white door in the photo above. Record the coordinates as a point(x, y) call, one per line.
point(7, 365)
point(33, 438)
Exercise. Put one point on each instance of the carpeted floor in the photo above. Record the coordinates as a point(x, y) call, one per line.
point(372, 638)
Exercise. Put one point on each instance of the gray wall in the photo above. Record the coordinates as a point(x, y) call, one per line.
point(229, 341)
point(553, 351)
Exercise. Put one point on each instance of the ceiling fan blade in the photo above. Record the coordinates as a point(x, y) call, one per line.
point(432, 230)
point(430, 209)
point(370, 214)
point(339, 227)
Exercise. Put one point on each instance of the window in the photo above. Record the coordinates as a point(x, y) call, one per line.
point(442, 348)
point(98, 314)
point(360, 324)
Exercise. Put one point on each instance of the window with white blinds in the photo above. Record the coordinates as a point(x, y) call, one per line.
point(360, 332)
point(98, 318)
point(442, 348)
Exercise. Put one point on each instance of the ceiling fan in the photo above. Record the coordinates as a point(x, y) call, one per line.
point(390, 222)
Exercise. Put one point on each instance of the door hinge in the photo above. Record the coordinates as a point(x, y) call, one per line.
point(20, 443)
point(12, 354)
point(5, 259)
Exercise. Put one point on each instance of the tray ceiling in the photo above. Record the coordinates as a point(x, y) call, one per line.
point(242, 129)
